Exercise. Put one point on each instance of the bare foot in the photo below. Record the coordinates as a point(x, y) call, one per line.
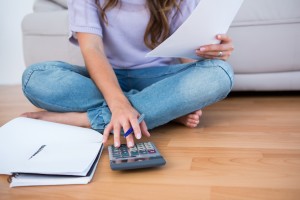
point(190, 120)
point(71, 118)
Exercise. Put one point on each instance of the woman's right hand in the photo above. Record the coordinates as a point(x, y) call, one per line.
point(124, 116)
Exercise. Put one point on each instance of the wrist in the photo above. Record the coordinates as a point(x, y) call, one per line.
point(118, 103)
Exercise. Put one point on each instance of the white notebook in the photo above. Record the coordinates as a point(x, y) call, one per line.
point(37, 152)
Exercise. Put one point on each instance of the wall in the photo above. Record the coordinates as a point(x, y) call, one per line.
point(11, 54)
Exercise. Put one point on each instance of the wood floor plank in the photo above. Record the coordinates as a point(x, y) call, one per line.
point(246, 147)
point(238, 193)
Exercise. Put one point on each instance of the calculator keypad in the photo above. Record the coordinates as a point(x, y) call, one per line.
point(145, 149)
point(142, 155)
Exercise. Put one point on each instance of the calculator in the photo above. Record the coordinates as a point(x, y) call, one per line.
point(142, 155)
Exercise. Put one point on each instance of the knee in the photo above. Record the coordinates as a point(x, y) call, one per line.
point(27, 74)
point(210, 79)
point(223, 78)
point(35, 80)
point(31, 80)
point(219, 71)
point(226, 67)
point(31, 76)
point(39, 72)
point(34, 70)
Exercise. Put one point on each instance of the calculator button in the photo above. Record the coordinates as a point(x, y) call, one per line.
point(149, 148)
point(118, 156)
point(143, 152)
point(132, 150)
point(125, 155)
point(149, 144)
point(151, 151)
point(134, 153)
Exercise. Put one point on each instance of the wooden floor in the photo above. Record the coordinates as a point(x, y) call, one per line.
point(247, 147)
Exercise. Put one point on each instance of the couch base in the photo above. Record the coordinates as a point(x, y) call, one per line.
point(282, 81)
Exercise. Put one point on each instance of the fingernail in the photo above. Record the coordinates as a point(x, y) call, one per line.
point(116, 144)
point(130, 144)
point(202, 49)
point(139, 136)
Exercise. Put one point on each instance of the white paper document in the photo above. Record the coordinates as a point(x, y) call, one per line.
point(68, 159)
point(47, 153)
point(210, 17)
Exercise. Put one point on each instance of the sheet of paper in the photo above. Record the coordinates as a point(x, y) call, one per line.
point(36, 180)
point(21, 137)
point(11, 155)
point(67, 159)
point(32, 131)
point(210, 17)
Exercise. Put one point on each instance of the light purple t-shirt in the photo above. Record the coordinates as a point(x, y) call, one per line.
point(123, 37)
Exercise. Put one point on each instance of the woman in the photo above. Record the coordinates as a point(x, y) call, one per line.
point(119, 83)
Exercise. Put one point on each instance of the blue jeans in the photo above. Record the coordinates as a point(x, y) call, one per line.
point(161, 93)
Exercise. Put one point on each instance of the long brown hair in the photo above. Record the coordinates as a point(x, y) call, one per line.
point(158, 28)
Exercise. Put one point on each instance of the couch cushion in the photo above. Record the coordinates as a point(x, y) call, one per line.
point(61, 2)
point(266, 49)
point(265, 12)
point(46, 5)
point(265, 35)
point(252, 12)
point(46, 23)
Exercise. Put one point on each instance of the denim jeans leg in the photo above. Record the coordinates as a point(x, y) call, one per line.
point(60, 87)
point(191, 88)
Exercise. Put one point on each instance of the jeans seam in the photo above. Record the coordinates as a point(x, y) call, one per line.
point(34, 70)
point(231, 82)
point(27, 79)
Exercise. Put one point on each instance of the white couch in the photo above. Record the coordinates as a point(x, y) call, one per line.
point(266, 35)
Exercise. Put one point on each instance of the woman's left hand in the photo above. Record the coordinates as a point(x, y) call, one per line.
point(220, 51)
